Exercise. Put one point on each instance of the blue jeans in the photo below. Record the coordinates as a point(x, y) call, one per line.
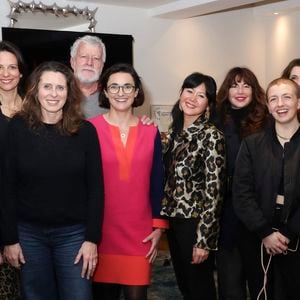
point(49, 272)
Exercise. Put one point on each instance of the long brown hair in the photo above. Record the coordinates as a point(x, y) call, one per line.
point(72, 113)
point(286, 73)
point(255, 120)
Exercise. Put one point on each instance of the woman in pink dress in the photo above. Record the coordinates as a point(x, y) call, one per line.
point(133, 180)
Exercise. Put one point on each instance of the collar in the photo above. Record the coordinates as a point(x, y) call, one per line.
point(274, 135)
point(189, 132)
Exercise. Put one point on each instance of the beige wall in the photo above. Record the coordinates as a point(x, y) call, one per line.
point(165, 51)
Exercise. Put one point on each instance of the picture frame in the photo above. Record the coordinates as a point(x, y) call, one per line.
point(161, 115)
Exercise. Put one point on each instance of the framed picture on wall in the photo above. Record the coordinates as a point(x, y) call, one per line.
point(161, 115)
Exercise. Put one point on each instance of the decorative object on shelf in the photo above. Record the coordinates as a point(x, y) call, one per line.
point(16, 8)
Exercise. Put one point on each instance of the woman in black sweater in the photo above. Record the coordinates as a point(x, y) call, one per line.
point(12, 69)
point(242, 111)
point(53, 189)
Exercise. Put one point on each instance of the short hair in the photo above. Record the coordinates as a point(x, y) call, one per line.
point(89, 39)
point(72, 113)
point(281, 80)
point(191, 81)
point(256, 116)
point(14, 50)
point(288, 69)
point(121, 68)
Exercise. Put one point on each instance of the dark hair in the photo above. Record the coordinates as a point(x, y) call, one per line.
point(281, 80)
point(257, 110)
point(72, 113)
point(288, 69)
point(13, 49)
point(121, 68)
point(191, 81)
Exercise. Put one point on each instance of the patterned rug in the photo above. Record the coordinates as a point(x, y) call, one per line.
point(163, 285)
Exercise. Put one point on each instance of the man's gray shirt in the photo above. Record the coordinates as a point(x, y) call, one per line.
point(91, 106)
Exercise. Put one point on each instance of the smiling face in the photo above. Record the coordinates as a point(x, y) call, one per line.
point(193, 101)
point(117, 93)
point(9, 71)
point(295, 74)
point(52, 95)
point(283, 103)
point(240, 94)
point(87, 63)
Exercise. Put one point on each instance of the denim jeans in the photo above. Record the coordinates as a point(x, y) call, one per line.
point(49, 272)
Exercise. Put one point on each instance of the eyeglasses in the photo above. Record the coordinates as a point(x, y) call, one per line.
point(115, 88)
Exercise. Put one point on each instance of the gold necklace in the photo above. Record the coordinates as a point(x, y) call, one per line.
point(15, 108)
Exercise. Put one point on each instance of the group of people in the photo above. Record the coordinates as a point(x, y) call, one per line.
point(88, 188)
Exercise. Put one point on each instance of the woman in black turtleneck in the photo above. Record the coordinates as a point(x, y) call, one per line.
point(242, 111)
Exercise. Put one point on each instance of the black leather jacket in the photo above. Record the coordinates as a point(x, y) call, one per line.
point(256, 182)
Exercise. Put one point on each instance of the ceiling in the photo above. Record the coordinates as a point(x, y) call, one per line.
point(178, 9)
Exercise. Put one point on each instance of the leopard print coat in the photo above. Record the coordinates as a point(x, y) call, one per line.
point(9, 283)
point(195, 178)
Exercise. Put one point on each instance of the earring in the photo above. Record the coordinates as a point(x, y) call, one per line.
point(207, 113)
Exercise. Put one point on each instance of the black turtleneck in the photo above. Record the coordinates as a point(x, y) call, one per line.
point(232, 132)
point(229, 222)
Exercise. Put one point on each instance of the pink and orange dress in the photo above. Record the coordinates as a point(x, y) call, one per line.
point(133, 185)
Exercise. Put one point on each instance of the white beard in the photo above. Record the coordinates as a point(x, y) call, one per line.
point(84, 79)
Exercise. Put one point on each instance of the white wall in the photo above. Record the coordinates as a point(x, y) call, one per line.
point(165, 51)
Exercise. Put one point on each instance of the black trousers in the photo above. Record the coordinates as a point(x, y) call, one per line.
point(195, 281)
point(231, 276)
point(283, 277)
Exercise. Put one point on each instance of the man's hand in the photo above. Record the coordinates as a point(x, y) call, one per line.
point(147, 121)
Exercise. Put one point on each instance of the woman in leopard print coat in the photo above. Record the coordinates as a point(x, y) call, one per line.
point(194, 158)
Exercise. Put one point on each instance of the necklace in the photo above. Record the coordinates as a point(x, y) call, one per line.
point(123, 135)
point(12, 108)
point(283, 137)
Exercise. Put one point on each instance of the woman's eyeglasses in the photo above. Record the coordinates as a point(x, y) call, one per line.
point(115, 88)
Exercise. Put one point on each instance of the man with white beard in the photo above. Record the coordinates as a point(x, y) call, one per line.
point(87, 59)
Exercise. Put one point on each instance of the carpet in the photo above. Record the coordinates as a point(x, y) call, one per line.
point(164, 286)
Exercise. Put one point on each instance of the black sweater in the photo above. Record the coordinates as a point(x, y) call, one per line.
point(51, 179)
point(3, 128)
point(230, 224)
